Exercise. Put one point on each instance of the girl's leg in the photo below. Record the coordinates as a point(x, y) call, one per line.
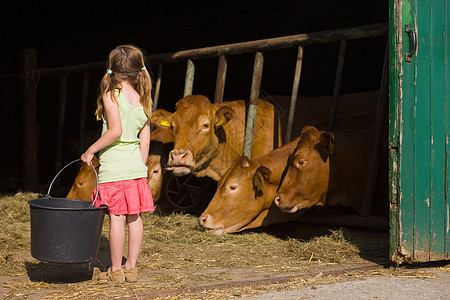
point(135, 234)
point(116, 240)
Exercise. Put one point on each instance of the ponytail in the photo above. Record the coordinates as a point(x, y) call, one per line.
point(144, 88)
point(126, 63)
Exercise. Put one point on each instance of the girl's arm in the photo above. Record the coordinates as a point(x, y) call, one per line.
point(113, 132)
point(144, 137)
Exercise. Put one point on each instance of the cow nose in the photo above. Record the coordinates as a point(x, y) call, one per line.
point(202, 219)
point(178, 155)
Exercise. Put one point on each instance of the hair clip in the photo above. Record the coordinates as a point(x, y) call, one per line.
point(109, 71)
point(143, 68)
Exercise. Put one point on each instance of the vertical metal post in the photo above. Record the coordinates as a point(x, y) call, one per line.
point(157, 87)
point(29, 108)
point(189, 81)
point(253, 105)
point(84, 98)
point(380, 119)
point(61, 119)
point(220, 81)
point(337, 85)
point(294, 95)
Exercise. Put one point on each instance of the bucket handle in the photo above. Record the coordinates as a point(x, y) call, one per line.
point(72, 162)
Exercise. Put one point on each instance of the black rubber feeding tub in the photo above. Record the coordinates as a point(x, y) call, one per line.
point(65, 230)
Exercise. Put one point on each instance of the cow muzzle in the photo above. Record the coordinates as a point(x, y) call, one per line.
point(205, 221)
point(180, 162)
point(286, 207)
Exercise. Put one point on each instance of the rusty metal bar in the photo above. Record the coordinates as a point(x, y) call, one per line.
point(157, 87)
point(189, 81)
point(61, 120)
point(294, 95)
point(220, 81)
point(380, 119)
point(314, 38)
point(84, 98)
point(29, 107)
point(337, 85)
point(322, 37)
point(253, 105)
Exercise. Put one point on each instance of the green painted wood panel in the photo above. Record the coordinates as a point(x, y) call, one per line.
point(418, 132)
point(422, 139)
point(438, 130)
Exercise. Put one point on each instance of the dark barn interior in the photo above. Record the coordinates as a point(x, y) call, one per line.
point(86, 34)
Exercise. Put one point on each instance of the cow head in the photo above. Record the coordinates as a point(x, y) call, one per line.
point(243, 197)
point(85, 182)
point(156, 161)
point(307, 172)
point(198, 129)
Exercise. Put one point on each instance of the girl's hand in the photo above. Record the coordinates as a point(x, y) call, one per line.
point(86, 157)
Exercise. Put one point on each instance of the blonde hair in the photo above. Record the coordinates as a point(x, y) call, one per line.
point(126, 63)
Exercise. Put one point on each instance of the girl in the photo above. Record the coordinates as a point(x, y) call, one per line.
point(124, 105)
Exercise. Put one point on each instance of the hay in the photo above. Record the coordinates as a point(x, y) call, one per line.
point(14, 231)
point(175, 254)
point(333, 248)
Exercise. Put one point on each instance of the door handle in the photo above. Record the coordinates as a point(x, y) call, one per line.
point(412, 35)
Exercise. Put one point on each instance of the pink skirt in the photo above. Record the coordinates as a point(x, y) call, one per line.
point(126, 197)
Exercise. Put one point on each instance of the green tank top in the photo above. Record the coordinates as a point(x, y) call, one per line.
point(122, 160)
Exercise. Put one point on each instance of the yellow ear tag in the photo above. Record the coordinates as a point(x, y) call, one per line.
point(165, 123)
point(220, 122)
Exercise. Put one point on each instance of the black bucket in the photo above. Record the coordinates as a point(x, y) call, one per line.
point(65, 230)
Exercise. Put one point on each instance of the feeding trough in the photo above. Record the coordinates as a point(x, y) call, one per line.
point(65, 230)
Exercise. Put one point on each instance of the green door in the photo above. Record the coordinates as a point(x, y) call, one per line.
point(419, 130)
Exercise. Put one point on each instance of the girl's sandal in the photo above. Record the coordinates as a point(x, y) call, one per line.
point(116, 276)
point(131, 274)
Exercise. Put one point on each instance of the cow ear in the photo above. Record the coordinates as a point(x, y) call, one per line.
point(95, 162)
point(262, 174)
point(161, 118)
point(223, 115)
point(326, 145)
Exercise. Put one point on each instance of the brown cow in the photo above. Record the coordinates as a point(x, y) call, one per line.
point(160, 145)
point(326, 168)
point(237, 205)
point(244, 196)
point(208, 137)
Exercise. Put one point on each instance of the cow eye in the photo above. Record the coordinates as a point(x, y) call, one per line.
point(205, 126)
point(232, 187)
point(301, 163)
